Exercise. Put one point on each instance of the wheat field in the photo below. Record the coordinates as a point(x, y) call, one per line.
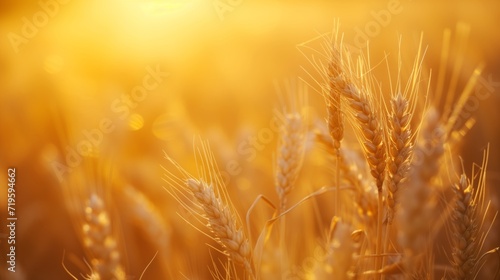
point(166, 139)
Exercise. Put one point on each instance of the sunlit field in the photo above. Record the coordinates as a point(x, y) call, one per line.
point(232, 139)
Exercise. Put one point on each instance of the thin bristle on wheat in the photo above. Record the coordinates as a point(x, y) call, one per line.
point(400, 149)
point(223, 224)
point(99, 241)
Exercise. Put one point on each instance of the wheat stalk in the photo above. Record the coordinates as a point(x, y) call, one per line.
point(290, 153)
point(468, 219)
point(290, 156)
point(212, 207)
point(98, 239)
point(337, 83)
point(466, 227)
point(223, 224)
point(289, 159)
point(400, 149)
point(371, 130)
point(371, 133)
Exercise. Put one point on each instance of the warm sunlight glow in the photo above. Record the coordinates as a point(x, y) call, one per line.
point(249, 139)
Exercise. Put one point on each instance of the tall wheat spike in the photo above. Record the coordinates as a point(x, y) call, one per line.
point(290, 154)
point(369, 128)
point(372, 132)
point(400, 149)
point(401, 134)
point(337, 83)
point(353, 85)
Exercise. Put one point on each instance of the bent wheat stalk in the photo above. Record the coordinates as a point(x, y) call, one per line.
point(212, 208)
point(223, 224)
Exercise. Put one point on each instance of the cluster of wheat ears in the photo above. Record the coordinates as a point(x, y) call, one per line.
point(395, 189)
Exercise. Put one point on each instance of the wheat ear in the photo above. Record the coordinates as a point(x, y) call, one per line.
point(371, 132)
point(105, 259)
point(468, 222)
point(290, 156)
point(361, 102)
point(290, 153)
point(465, 225)
point(336, 84)
point(222, 223)
point(288, 164)
point(212, 208)
point(400, 149)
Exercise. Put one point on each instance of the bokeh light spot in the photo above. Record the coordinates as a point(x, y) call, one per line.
point(135, 122)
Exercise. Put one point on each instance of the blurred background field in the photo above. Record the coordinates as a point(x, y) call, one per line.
point(222, 69)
